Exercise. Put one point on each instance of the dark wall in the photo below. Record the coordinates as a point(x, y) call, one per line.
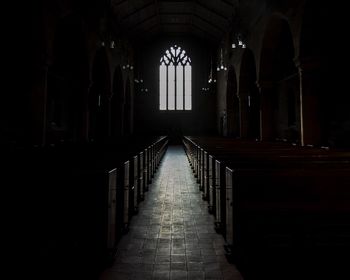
point(148, 117)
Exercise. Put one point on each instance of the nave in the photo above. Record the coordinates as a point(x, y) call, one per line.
point(173, 235)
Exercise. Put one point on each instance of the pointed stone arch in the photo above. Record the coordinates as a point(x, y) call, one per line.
point(67, 83)
point(324, 112)
point(279, 84)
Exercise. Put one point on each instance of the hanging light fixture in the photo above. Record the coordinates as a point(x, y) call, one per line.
point(128, 66)
point(211, 78)
point(221, 66)
point(238, 42)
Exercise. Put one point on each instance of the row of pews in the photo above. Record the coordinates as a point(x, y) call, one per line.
point(69, 204)
point(284, 210)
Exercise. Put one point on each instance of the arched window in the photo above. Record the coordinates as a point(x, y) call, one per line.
point(175, 80)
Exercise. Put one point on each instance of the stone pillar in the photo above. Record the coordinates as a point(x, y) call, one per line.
point(38, 107)
point(109, 115)
point(310, 121)
point(244, 116)
point(267, 92)
point(121, 118)
point(83, 115)
point(131, 125)
point(224, 124)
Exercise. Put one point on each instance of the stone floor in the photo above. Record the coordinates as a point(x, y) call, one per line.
point(173, 235)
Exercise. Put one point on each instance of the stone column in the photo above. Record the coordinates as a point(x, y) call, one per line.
point(267, 92)
point(121, 105)
point(83, 117)
point(243, 109)
point(38, 107)
point(131, 106)
point(310, 121)
point(224, 124)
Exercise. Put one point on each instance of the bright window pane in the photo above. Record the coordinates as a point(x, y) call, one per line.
point(188, 87)
point(171, 87)
point(175, 81)
point(179, 87)
point(162, 87)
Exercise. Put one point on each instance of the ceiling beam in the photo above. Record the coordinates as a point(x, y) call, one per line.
point(115, 3)
point(208, 34)
point(157, 11)
point(197, 16)
point(139, 23)
point(213, 35)
point(145, 32)
point(217, 27)
point(228, 3)
point(195, 3)
point(157, 31)
point(213, 12)
point(203, 18)
point(137, 10)
point(195, 26)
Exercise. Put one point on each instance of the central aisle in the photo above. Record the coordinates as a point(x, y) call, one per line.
point(173, 235)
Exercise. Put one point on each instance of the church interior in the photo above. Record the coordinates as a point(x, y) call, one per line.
point(174, 139)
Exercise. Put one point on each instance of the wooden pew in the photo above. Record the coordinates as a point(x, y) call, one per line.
point(73, 202)
point(251, 158)
point(246, 153)
point(259, 162)
point(293, 217)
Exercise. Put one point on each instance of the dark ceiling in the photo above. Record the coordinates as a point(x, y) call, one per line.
point(147, 19)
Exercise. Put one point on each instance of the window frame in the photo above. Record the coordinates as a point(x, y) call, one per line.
point(176, 57)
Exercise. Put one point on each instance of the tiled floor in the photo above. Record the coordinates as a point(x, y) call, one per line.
point(173, 236)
